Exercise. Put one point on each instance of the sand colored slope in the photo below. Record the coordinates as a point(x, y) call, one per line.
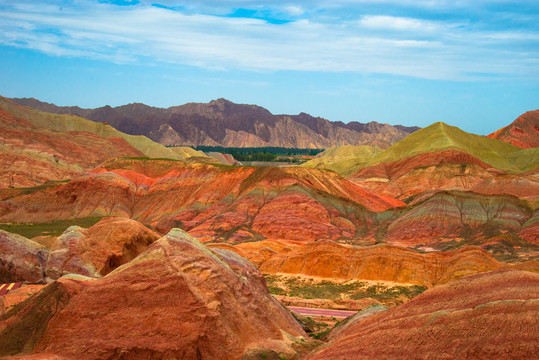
point(337, 158)
point(328, 259)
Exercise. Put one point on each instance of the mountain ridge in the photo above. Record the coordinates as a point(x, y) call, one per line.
point(436, 137)
point(224, 123)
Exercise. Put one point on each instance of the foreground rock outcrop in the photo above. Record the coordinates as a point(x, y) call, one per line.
point(485, 316)
point(96, 251)
point(176, 300)
point(92, 252)
point(21, 259)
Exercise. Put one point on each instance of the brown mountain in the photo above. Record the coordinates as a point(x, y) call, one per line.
point(222, 122)
point(523, 132)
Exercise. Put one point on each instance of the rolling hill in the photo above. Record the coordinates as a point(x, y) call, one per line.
point(434, 138)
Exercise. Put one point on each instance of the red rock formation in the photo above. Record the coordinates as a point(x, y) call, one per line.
point(447, 169)
point(457, 215)
point(98, 250)
point(30, 156)
point(231, 203)
point(485, 316)
point(21, 259)
point(382, 262)
point(176, 300)
point(523, 132)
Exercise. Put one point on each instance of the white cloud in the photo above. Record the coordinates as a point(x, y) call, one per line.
point(397, 23)
point(374, 44)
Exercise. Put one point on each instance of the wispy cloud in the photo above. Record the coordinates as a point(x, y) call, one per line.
point(366, 43)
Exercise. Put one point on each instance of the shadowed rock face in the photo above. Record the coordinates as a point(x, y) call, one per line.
point(328, 259)
point(491, 315)
point(523, 132)
point(96, 251)
point(178, 299)
point(21, 259)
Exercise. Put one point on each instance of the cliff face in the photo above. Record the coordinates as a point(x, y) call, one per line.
point(222, 122)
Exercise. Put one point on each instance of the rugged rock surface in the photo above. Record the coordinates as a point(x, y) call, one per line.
point(92, 252)
point(458, 215)
point(222, 122)
point(440, 170)
point(176, 300)
point(21, 259)
point(491, 315)
point(229, 203)
point(96, 251)
point(328, 259)
point(523, 132)
point(31, 155)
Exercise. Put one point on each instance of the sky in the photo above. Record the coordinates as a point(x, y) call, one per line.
point(469, 63)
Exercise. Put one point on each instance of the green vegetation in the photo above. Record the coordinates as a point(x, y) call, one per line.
point(53, 228)
point(353, 289)
point(270, 154)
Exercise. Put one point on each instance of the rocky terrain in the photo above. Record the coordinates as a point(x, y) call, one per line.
point(489, 315)
point(523, 132)
point(224, 123)
point(215, 304)
point(37, 147)
point(441, 228)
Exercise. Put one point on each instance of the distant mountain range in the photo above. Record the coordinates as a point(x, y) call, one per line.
point(224, 123)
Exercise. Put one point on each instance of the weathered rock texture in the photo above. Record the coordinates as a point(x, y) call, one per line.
point(92, 252)
point(176, 300)
point(21, 259)
point(96, 251)
point(328, 259)
point(485, 316)
point(523, 132)
point(229, 203)
point(225, 123)
point(31, 155)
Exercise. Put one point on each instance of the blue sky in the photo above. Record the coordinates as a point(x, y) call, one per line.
point(469, 63)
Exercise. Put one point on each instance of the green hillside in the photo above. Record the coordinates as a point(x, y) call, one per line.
point(440, 136)
point(66, 123)
point(342, 157)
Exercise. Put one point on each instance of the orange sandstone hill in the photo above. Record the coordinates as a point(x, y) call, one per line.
point(92, 252)
point(211, 202)
point(328, 259)
point(484, 316)
point(177, 299)
point(31, 155)
point(523, 132)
